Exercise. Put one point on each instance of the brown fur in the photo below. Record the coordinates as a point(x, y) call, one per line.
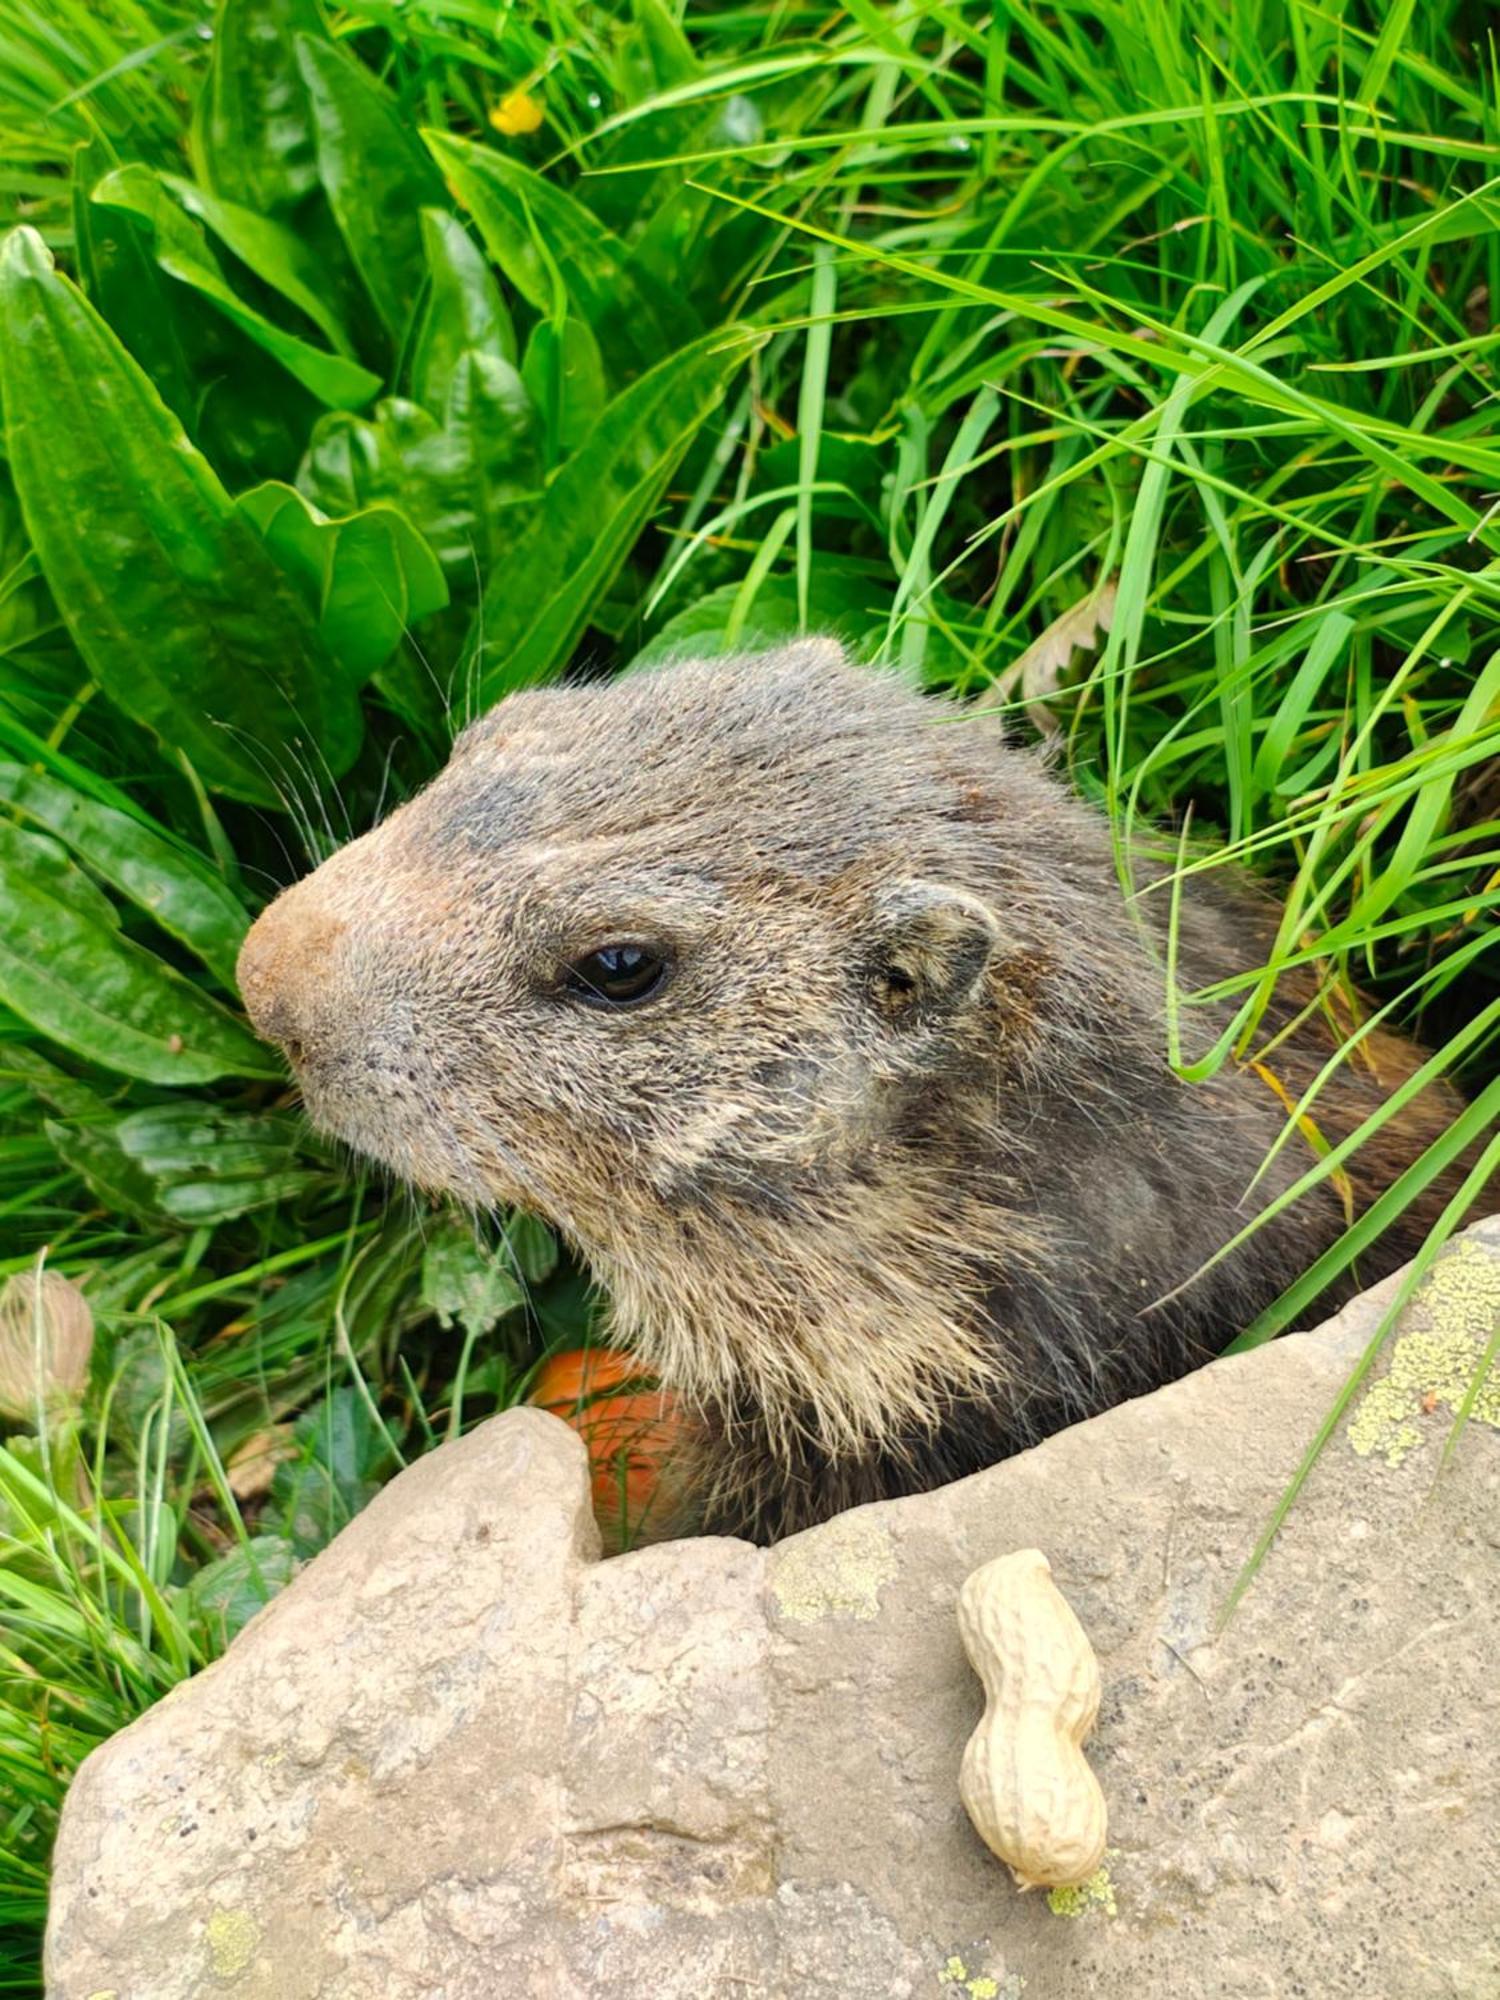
point(889, 1178)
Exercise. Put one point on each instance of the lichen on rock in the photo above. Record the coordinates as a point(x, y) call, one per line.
point(232, 1938)
point(1098, 1893)
point(1450, 1325)
point(838, 1573)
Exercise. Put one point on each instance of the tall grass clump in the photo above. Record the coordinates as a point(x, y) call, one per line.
point(1125, 365)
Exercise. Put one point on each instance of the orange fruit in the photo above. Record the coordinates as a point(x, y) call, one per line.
point(630, 1428)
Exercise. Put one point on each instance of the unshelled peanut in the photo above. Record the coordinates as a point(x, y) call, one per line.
point(1024, 1780)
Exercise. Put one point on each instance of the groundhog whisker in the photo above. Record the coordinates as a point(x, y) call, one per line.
point(281, 785)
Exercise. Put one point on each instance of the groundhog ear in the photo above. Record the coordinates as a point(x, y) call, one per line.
point(933, 945)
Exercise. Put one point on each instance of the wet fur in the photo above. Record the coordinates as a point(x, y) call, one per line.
point(890, 1181)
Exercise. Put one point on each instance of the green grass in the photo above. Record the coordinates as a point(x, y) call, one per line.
point(1166, 324)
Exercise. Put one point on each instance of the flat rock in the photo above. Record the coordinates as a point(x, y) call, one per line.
point(460, 1757)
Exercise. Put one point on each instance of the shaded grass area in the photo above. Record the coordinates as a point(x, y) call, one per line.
point(1125, 366)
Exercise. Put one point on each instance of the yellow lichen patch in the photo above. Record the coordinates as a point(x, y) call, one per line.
point(1456, 1310)
point(1098, 1893)
point(836, 1571)
point(232, 1938)
point(980, 1985)
point(517, 114)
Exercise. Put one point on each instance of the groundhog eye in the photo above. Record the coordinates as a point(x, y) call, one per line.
point(617, 975)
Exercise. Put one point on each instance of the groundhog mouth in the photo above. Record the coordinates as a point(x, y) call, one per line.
point(389, 1121)
point(393, 1118)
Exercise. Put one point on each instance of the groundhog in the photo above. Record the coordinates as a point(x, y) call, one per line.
point(813, 1014)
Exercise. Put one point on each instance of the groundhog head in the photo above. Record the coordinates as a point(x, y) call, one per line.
point(688, 963)
point(657, 936)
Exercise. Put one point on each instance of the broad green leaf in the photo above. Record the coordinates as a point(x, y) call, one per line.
point(278, 256)
point(578, 536)
point(491, 427)
point(50, 1084)
point(184, 255)
point(184, 618)
point(635, 321)
point(344, 1458)
point(95, 1155)
point(465, 1282)
point(204, 1141)
point(255, 132)
point(564, 372)
point(54, 876)
point(66, 969)
point(142, 1378)
point(231, 398)
point(187, 1162)
point(197, 1204)
point(463, 311)
point(23, 744)
point(453, 480)
point(181, 892)
point(223, 1596)
point(532, 1246)
point(844, 600)
point(119, 272)
point(367, 578)
point(375, 174)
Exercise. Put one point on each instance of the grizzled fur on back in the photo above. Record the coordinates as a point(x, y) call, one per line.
point(888, 1178)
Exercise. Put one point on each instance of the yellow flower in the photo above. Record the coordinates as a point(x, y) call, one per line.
point(46, 1338)
point(516, 114)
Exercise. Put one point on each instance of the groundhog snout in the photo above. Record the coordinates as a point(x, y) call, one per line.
point(286, 974)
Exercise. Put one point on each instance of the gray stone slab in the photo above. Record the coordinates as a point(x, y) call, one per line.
point(461, 1758)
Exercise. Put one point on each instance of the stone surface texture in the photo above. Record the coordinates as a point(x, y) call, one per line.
point(461, 1758)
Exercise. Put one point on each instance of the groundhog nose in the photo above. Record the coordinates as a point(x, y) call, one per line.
point(284, 971)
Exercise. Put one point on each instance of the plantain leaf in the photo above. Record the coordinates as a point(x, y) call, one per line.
point(531, 1246)
point(53, 1086)
point(184, 618)
point(564, 371)
point(367, 578)
point(635, 321)
point(255, 136)
point(278, 256)
point(187, 1164)
point(181, 892)
point(577, 538)
point(454, 480)
point(120, 274)
point(224, 1595)
point(463, 310)
point(65, 968)
point(94, 1154)
point(184, 255)
point(845, 599)
point(346, 1452)
point(375, 174)
point(466, 1281)
point(235, 403)
point(491, 424)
